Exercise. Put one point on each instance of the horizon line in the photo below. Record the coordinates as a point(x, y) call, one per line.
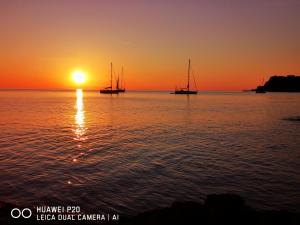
point(72, 89)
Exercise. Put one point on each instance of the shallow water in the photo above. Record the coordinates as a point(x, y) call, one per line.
point(142, 150)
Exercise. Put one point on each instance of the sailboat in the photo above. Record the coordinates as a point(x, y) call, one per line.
point(187, 91)
point(110, 90)
point(119, 86)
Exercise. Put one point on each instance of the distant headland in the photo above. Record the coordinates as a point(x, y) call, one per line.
point(289, 83)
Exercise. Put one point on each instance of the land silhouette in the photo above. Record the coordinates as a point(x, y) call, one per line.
point(289, 83)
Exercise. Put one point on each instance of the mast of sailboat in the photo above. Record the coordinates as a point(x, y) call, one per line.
point(117, 86)
point(111, 75)
point(188, 85)
point(122, 78)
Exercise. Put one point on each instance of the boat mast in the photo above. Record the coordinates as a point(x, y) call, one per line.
point(111, 75)
point(117, 86)
point(188, 85)
point(122, 78)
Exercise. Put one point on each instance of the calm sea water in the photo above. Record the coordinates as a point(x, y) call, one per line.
point(142, 150)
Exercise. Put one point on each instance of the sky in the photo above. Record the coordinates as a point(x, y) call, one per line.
point(232, 44)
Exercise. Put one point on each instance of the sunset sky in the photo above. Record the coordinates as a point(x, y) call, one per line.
point(233, 44)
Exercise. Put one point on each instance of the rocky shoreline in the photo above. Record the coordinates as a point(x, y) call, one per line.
point(289, 83)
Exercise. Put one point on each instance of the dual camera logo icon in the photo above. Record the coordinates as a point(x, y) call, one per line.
point(17, 213)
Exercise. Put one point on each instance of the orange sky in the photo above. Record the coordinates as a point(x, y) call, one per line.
point(232, 46)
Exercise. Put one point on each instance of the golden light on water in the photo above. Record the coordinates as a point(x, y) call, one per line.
point(79, 105)
point(79, 117)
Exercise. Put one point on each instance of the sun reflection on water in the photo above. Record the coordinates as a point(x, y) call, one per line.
point(80, 129)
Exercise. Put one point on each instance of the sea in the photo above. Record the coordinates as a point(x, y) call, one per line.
point(142, 150)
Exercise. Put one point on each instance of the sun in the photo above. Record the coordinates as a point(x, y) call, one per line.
point(78, 76)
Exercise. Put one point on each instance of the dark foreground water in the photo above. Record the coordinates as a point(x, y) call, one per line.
point(141, 150)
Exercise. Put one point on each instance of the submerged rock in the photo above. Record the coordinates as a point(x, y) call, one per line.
point(293, 118)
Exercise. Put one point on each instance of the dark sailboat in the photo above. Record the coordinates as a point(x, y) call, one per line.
point(187, 91)
point(119, 85)
point(110, 90)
